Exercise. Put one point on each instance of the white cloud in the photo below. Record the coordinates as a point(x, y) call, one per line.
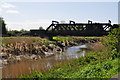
point(12, 11)
point(7, 5)
point(30, 24)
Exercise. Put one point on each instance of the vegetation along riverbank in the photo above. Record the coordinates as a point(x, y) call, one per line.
point(99, 64)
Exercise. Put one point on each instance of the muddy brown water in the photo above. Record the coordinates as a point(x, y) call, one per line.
point(26, 67)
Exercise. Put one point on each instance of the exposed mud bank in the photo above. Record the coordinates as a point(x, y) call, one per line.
point(20, 51)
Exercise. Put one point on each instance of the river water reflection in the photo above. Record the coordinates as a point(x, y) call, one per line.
point(15, 70)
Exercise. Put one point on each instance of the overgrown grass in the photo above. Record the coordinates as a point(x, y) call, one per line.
point(14, 40)
point(63, 38)
point(37, 40)
point(73, 38)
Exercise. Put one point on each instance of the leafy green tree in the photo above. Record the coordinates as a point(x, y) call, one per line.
point(18, 33)
point(14, 32)
point(3, 26)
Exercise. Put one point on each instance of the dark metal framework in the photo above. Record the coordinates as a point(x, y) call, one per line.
point(78, 29)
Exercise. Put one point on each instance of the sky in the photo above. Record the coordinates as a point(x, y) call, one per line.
point(32, 15)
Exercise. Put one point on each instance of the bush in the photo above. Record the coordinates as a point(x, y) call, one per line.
point(113, 40)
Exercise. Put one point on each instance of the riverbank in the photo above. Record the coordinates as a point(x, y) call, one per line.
point(97, 65)
point(44, 64)
point(16, 49)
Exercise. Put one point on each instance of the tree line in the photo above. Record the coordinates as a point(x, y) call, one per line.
point(4, 31)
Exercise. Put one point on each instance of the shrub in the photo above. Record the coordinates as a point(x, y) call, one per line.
point(113, 42)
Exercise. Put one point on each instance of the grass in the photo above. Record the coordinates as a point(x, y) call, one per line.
point(28, 40)
point(14, 40)
point(63, 38)
point(37, 40)
point(75, 38)
point(104, 69)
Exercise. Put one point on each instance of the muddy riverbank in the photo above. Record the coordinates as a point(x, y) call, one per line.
point(23, 50)
point(44, 64)
point(21, 57)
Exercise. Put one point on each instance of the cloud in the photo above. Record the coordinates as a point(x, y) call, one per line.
point(27, 25)
point(7, 5)
point(12, 11)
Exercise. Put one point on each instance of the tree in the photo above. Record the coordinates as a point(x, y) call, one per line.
point(18, 33)
point(41, 28)
point(62, 22)
point(3, 26)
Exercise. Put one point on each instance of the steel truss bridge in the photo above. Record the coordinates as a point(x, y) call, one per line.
point(79, 29)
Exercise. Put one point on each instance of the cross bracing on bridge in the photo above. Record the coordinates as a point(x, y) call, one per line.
point(79, 29)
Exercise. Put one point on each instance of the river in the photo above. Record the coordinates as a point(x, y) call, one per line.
point(15, 70)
